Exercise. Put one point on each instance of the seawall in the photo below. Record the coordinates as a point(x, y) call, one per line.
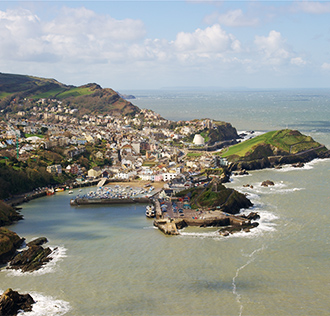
point(82, 201)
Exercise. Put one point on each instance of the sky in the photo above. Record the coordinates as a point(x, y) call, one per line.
point(134, 45)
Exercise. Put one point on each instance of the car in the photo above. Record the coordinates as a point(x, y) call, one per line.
point(180, 210)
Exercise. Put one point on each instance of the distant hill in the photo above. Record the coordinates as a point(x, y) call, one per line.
point(89, 99)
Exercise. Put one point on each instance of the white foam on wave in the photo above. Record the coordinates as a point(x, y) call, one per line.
point(58, 253)
point(267, 223)
point(45, 305)
point(307, 166)
point(257, 190)
point(240, 176)
point(249, 134)
point(213, 234)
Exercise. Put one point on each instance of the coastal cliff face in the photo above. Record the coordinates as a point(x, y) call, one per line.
point(274, 161)
point(219, 132)
point(222, 131)
point(274, 148)
point(8, 215)
point(9, 242)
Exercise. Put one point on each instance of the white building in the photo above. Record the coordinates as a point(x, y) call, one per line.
point(198, 140)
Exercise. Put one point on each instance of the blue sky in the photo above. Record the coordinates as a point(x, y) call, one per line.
point(129, 45)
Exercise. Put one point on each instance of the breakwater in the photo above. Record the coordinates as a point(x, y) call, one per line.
point(98, 201)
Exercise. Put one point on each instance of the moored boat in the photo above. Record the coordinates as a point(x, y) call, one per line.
point(50, 191)
point(150, 211)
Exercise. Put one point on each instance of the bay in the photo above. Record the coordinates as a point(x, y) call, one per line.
point(111, 261)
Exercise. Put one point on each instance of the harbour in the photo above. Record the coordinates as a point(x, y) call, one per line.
point(127, 267)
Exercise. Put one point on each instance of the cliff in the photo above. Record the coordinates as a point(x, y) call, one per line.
point(219, 132)
point(274, 148)
point(9, 242)
point(8, 215)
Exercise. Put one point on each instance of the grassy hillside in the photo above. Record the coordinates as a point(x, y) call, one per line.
point(283, 142)
point(89, 98)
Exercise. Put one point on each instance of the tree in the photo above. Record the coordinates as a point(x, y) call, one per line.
point(44, 130)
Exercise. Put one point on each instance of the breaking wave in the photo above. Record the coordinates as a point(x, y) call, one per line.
point(45, 305)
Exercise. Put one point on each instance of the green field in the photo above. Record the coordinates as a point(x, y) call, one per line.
point(194, 154)
point(75, 92)
point(49, 94)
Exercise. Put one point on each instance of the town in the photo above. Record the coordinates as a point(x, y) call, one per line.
point(143, 146)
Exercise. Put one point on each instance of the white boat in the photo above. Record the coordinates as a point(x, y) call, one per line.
point(150, 211)
point(70, 192)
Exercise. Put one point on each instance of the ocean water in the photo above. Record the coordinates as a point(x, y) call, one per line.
point(112, 261)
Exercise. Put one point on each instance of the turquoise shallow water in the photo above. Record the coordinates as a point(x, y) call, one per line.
point(111, 261)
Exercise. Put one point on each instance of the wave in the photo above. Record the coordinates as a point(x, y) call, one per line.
point(307, 166)
point(58, 253)
point(257, 190)
point(45, 305)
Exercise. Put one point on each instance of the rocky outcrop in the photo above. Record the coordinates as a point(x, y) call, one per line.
point(11, 302)
point(9, 242)
point(253, 216)
point(8, 214)
point(227, 231)
point(267, 183)
point(298, 165)
point(277, 161)
point(31, 259)
point(37, 242)
point(241, 173)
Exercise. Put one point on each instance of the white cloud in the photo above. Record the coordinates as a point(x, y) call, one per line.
point(211, 40)
point(298, 61)
point(312, 7)
point(326, 66)
point(273, 48)
point(75, 34)
point(233, 18)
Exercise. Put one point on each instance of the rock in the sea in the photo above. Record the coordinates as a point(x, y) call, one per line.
point(38, 241)
point(298, 165)
point(267, 183)
point(31, 259)
point(248, 186)
point(11, 302)
point(252, 216)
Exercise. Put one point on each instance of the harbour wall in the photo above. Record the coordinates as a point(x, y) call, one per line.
point(82, 201)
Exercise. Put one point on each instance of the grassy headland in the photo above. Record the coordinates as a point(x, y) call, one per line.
point(283, 142)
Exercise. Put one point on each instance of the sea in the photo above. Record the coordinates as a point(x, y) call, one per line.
point(110, 260)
